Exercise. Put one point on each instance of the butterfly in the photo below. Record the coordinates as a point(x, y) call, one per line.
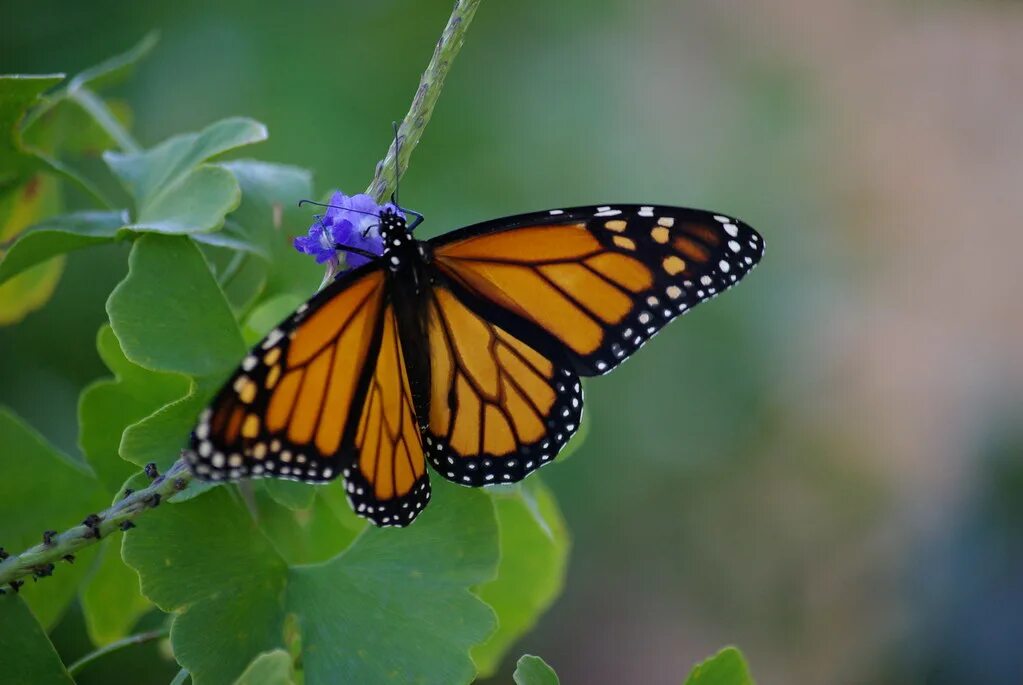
point(464, 351)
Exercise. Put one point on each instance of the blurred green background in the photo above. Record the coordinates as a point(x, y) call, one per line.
point(825, 466)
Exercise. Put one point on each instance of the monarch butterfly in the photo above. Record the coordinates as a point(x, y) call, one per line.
point(464, 351)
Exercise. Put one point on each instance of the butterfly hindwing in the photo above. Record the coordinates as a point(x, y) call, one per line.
point(498, 408)
point(388, 483)
point(599, 281)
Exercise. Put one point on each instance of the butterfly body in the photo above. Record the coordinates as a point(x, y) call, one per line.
point(464, 351)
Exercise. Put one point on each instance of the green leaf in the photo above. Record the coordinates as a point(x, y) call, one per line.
point(268, 314)
point(159, 437)
point(532, 670)
point(269, 668)
point(72, 123)
point(727, 667)
point(197, 202)
point(59, 235)
point(112, 601)
point(39, 473)
point(107, 407)
point(207, 560)
point(290, 494)
point(233, 237)
point(116, 69)
point(17, 94)
point(270, 214)
point(306, 536)
point(169, 313)
point(29, 291)
point(21, 206)
point(399, 600)
point(394, 607)
point(534, 557)
point(26, 654)
point(174, 191)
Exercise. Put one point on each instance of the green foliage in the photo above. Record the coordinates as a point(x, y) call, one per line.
point(398, 600)
point(269, 668)
point(532, 670)
point(727, 667)
point(112, 601)
point(26, 655)
point(109, 406)
point(173, 189)
point(40, 471)
point(534, 554)
point(17, 93)
point(58, 235)
point(160, 320)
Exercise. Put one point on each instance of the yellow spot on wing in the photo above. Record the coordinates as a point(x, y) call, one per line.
point(624, 243)
point(617, 225)
point(247, 393)
point(659, 234)
point(250, 428)
point(673, 265)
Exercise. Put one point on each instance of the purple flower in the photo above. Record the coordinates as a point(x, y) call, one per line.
point(351, 222)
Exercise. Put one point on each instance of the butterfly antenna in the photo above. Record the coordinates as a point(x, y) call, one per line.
point(397, 177)
point(302, 203)
point(397, 164)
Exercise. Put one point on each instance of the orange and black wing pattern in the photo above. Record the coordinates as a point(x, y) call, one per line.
point(326, 393)
point(597, 282)
point(285, 412)
point(387, 483)
point(498, 407)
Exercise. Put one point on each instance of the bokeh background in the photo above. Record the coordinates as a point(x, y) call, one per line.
point(824, 466)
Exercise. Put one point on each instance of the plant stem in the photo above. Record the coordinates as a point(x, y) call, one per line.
point(430, 85)
point(180, 678)
point(137, 639)
point(395, 162)
point(34, 558)
point(91, 103)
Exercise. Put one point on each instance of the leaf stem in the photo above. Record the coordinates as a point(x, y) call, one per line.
point(395, 162)
point(136, 639)
point(92, 104)
point(233, 268)
point(180, 678)
point(109, 520)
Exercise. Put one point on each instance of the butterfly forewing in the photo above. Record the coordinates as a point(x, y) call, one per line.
point(285, 411)
point(600, 281)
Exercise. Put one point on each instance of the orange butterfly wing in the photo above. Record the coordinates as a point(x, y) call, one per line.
point(388, 482)
point(526, 304)
point(325, 394)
